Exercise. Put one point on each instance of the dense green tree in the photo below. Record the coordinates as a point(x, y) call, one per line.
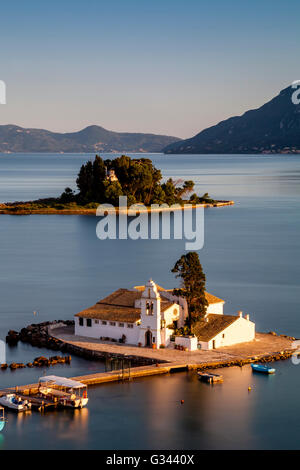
point(68, 196)
point(158, 196)
point(112, 192)
point(188, 268)
point(85, 181)
point(169, 190)
point(194, 199)
point(137, 179)
point(90, 180)
point(99, 174)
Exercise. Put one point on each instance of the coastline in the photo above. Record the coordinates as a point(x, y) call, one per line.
point(13, 209)
point(265, 348)
point(59, 336)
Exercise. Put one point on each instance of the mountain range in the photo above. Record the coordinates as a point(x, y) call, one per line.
point(89, 140)
point(272, 128)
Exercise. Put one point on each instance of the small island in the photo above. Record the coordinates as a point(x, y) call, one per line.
point(104, 181)
point(155, 330)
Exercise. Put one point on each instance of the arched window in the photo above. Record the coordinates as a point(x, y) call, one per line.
point(149, 308)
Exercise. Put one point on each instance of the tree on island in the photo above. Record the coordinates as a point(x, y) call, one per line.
point(188, 268)
point(135, 178)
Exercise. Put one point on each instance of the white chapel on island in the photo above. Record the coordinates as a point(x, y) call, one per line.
point(147, 316)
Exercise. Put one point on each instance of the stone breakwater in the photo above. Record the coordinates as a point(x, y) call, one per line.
point(40, 361)
point(278, 356)
point(39, 335)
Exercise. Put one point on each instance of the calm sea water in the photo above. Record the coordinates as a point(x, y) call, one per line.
point(56, 266)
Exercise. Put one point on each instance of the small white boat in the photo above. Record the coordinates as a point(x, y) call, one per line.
point(67, 392)
point(3, 420)
point(14, 402)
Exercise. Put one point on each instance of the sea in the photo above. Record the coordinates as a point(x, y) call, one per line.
point(53, 266)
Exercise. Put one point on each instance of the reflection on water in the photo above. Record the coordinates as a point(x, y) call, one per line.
point(43, 429)
point(148, 413)
point(66, 424)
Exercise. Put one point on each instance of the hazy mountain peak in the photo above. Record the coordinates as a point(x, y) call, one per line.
point(91, 139)
point(272, 128)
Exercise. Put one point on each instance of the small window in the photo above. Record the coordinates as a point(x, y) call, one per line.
point(97, 322)
point(121, 325)
point(129, 325)
point(104, 322)
point(88, 322)
point(223, 335)
point(112, 323)
point(80, 321)
point(153, 339)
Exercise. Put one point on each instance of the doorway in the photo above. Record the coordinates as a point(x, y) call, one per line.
point(148, 339)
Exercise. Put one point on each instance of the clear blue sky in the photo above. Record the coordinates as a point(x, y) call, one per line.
point(163, 66)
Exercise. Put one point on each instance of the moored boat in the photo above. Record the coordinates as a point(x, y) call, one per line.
point(3, 420)
point(14, 402)
point(210, 378)
point(66, 392)
point(264, 369)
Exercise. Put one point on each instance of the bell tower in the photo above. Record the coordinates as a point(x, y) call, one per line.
point(150, 316)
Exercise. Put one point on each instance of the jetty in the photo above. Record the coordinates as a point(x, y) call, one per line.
point(121, 375)
point(132, 362)
point(30, 392)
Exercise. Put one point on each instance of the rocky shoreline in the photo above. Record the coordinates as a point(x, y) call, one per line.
point(42, 335)
point(40, 361)
point(278, 356)
point(39, 335)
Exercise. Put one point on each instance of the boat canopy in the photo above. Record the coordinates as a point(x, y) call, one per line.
point(62, 381)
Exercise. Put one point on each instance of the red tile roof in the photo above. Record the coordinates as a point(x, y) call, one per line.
point(120, 305)
point(205, 331)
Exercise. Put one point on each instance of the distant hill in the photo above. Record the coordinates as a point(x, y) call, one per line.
point(272, 128)
point(89, 140)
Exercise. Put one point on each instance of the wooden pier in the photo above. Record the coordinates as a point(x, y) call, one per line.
point(30, 391)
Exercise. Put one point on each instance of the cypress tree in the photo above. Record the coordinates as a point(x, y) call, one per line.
point(188, 268)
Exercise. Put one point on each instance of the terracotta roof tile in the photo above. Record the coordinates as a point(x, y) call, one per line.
point(212, 299)
point(120, 305)
point(121, 297)
point(111, 313)
point(205, 331)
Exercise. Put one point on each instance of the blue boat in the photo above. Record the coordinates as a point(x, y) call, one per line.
point(263, 369)
point(2, 419)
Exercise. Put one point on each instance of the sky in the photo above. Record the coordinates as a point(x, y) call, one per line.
point(164, 66)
